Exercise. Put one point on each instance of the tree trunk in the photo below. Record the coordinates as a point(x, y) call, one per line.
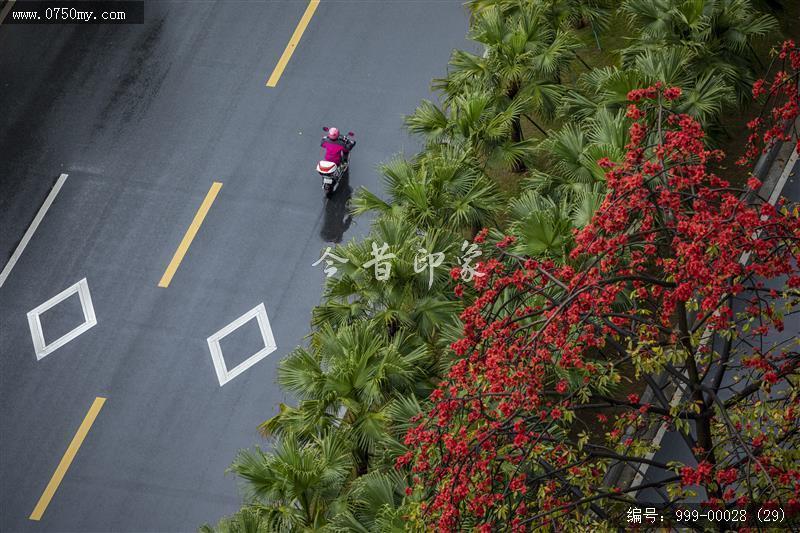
point(516, 136)
point(362, 462)
point(516, 129)
point(703, 422)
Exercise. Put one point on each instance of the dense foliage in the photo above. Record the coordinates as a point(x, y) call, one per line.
point(671, 277)
point(611, 257)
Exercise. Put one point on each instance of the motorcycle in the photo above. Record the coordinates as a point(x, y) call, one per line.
point(332, 173)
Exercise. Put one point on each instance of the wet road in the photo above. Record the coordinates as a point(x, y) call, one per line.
point(144, 119)
point(784, 180)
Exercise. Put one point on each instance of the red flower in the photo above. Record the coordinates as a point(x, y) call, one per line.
point(672, 93)
point(726, 477)
point(605, 163)
point(507, 241)
point(634, 112)
point(654, 244)
point(758, 88)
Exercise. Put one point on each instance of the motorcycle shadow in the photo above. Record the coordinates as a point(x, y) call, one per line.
point(337, 218)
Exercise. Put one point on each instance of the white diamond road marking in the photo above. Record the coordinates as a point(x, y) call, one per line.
point(223, 374)
point(89, 319)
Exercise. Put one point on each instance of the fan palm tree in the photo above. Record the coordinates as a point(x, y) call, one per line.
point(476, 126)
point(705, 94)
point(439, 189)
point(373, 504)
point(249, 519)
point(562, 13)
point(544, 225)
point(521, 47)
point(718, 33)
point(296, 486)
point(344, 381)
point(520, 70)
point(409, 299)
point(565, 193)
point(571, 153)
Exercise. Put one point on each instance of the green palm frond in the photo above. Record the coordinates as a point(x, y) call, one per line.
point(543, 233)
point(365, 201)
point(554, 57)
point(466, 72)
point(258, 519)
point(567, 147)
point(304, 422)
point(372, 504)
point(585, 203)
point(652, 17)
point(428, 120)
point(368, 430)
point(706, 98)
point(609, 129)
point(337, 313)
point(669, 65)
point(301, 374)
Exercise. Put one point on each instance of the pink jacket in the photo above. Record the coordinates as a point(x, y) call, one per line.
point(333, 150)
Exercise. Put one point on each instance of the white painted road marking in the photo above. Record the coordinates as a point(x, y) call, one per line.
point(9, 5)
point(641, 470)
point(223, 374)
point(787, 170)
point(35, 224)
point(89, 319)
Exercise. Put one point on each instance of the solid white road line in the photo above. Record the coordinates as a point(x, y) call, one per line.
point(6, 9)
point(744, 259)
point(35, 224)
point(784, 178)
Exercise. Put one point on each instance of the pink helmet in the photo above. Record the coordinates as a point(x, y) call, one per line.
point(333, 134)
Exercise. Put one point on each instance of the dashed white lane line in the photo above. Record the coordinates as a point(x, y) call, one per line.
point(35, 224)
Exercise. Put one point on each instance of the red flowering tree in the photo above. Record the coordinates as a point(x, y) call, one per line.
point(781, 97)
point(672, 284)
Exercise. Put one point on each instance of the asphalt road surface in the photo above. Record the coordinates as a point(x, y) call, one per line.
point(144, 119)
point(673, 447)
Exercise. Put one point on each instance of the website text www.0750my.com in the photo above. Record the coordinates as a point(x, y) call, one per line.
point(79, 12)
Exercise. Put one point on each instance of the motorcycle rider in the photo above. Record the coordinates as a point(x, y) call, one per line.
point(335, 149)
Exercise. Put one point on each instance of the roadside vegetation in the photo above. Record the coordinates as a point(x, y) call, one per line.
point(580, 155)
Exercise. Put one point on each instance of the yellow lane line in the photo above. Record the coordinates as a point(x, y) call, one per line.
point(287, 53)
point(69, 455)
point(190, 233)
